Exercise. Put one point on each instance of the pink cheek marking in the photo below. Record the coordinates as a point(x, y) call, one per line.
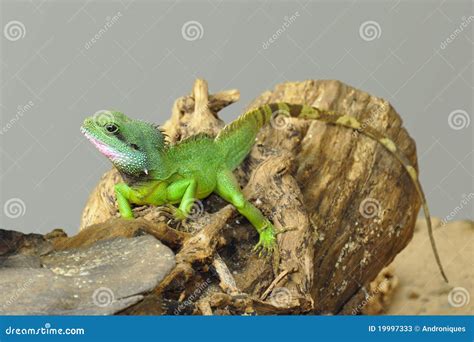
point(109, 153)
point(103, 148)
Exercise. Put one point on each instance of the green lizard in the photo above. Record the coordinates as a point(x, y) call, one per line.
point(158, 173)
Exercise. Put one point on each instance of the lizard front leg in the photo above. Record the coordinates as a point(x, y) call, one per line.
point(126, 195)
point(228, 188)
point(185, 190)
point(123, 194)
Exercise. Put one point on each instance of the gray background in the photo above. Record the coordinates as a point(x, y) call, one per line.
point(142, 63)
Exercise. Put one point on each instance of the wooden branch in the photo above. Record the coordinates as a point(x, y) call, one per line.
point(122, 228)
point(199, 248)
point(197, 113)
point(227, 281)
point(342, 174)
point(101, 204)
point(274, 283)
point(277, 193)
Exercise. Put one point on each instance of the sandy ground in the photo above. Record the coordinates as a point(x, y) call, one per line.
point(421, 289)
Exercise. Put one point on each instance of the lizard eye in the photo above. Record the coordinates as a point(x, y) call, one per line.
point(111, 128)
point(134, 146)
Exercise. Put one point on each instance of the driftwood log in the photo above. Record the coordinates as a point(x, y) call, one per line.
point(346, 204)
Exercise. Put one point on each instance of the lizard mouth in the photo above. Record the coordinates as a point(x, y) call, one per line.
point(101, 146)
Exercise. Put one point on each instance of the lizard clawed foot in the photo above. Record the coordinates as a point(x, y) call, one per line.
point(165, 212)
point(266, 242)
point(173, 213)
point(175, 216)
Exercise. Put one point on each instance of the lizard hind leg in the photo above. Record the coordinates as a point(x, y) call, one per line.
point(228, 188)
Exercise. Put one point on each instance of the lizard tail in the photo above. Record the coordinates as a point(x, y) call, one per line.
point(237, 138)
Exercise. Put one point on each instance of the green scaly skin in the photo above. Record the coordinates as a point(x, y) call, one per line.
point(158, 173)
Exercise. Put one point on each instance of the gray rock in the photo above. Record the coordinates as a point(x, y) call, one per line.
point(21, 260)
point(12, 242)
point(102, 279)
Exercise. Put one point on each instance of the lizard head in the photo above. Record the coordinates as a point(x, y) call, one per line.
point(127, 143)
